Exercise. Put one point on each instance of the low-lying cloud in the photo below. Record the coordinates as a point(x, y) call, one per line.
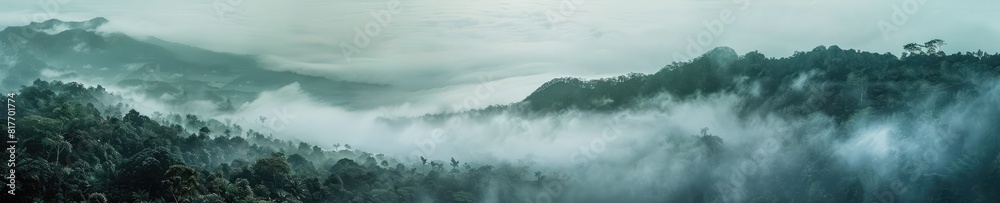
point(654, 151)
point(440, 44)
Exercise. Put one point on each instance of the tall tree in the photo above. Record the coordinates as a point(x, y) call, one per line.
point(271, 171)
point(181, 181)
point(144, 171)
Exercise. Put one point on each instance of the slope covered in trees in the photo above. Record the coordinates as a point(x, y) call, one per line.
point(75, 147)
point(861, 126)
point(84, 144)
point(832, 81)
point(170, 72)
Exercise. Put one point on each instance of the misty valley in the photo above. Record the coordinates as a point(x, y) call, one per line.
point(101, 116)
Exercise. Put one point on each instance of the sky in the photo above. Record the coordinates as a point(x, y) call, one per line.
point(440, 51)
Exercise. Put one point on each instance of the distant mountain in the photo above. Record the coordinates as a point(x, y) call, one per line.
point(933, 115)
point(56, 25)
point(833, 104)
point(152, 65)
point(832, 81)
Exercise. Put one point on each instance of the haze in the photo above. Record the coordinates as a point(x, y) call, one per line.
point(440, 48)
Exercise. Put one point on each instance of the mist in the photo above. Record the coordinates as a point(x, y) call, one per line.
point(458, 75)
point(431, 45)
point(654, 151)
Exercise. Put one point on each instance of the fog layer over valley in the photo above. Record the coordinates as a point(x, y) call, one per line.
point(807, 137)
point(184, 124)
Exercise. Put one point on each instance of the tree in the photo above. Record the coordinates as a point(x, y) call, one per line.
point(242, 191)
point(181, 181)
point(349, 174)
point(299, 163)
point(454, 164)
point(317, 152)
point(48, 142)
point(933, 45)
point(271, 171)
point(193, 121)
point(913, 48)
point(204, 131)
point(714, 143)
point(144, 170)
point(304, 147)
point(134, 118)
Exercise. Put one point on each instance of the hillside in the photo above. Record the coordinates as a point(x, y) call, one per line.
point(77, 147)
point(824, 125)
point(78, 50)
point(831, 81)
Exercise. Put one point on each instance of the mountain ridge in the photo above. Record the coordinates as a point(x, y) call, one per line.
point(113, 57)
point(852, 81)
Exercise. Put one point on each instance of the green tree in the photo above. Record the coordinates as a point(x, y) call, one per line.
point(133, 117)
point(933, 46)
point(182, 182)
point(271, 171)
point(454, 165)
point(913, 48)
point(204, 131)
point(144, 171)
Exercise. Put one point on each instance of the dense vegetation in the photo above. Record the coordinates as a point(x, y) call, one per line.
point(84, 144)
point(77, 148)
point(930, 95)
point(926, 91)
point(849, 80)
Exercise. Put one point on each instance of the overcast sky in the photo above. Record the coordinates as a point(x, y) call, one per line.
point(441, 49)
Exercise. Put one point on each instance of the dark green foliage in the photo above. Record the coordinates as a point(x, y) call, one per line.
point(271, 171)
point(84, 144)
point(850, 87)
point(825, 80)
point(144, 171)
point(182, 182)
point(712, 142)
point(100, 152)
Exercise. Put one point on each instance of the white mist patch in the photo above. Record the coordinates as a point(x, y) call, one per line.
point(133, 66)
point(10, 61)
point(168, 97)
point(289, 113)
point(81, 47)
point(476, 92)
point(802, 79)
point(53, 74)
point(56, 29)
point(654, 147)
point(869, 144)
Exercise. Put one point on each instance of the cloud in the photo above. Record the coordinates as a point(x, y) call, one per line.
point(444, 44)
point(452, 55)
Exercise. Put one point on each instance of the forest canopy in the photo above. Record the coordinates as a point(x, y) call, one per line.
point(87, 144)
